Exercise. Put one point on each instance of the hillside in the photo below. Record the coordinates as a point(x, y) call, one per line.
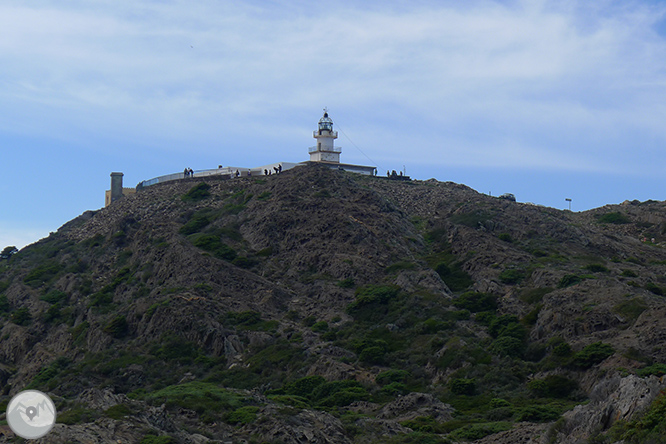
point(323, 306)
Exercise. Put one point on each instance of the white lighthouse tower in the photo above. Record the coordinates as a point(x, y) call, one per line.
point(325, 151)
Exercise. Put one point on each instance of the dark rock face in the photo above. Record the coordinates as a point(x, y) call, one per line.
point(245, 293)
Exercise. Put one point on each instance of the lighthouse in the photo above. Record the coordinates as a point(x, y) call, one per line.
point(325, 151)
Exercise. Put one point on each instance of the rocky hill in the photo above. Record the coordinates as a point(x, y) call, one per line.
point(323, 306)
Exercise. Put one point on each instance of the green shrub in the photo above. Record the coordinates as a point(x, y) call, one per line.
point(654, 288)
point(176, 349)
point(118, 412)
point(117, 327)
point(476, 302)
point(148, 439)
point(198, 192)
point(511, 276)
point(593, 354)
point(499, 325)
point(198, 396)
point(390, 376)
point(534, 295)
point(537, 413)
point(77, 415)
point(198, 222)
point(304, 386)
point(631, 308)
point(372, 355)
point(654, 369)
point(569, 280)
point(562, 350)
point(399, 266)
point(339, 393)
point(242, 415)
point(454, 276)
point(244, 262)
point(54, 296)
point(478, 431)
point(320, 327)
point(613, 218)
point(629, 273)
point(597, 268)
point(553, 386)
point(508, 346)
point(42, 274)
point(21, 316)
point(462, 386)
point(4, 304)
point(214, 245)
point(506, 237)
point(346, 283)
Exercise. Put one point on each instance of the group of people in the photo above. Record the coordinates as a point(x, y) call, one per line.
point(189, 172)
point(277, 169)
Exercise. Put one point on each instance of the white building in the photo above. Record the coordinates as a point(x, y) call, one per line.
point(325, 152)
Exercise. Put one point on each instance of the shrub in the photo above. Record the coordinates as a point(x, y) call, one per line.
point(42, 274)
point(478, 431)
point(118, 411)
point(506, 237)
point(569, 280)
point(372, 355)
point(613, 218)
point(654, 369)
point(476, 302)
point(198, 192)
point(654, 288)
point(55, 296)
point(597, 268)
point(453, 276)
point(4, 304)
point(339, 393)
point(499, 324)
point(304, 386)
point(149, 439)
point(346, 283)
point(201, 397)
point(511, 276)
point(390, 376)
point(197, 223)
point(462, 386)
point(214, 245)
point(631, 308)
point(21, 316)
point(508, 346)
point(242, 415)
point(117, 327)
point(320, 327)
point(593, 354)
point(552, 386)
point(537, 413)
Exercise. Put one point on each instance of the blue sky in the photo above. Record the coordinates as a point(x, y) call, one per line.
point(544, 99)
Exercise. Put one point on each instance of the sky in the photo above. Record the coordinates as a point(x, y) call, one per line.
point(547, 100)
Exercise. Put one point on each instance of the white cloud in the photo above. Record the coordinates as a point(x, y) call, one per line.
point(536, 74)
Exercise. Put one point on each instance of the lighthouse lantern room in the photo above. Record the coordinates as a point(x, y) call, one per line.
point(325, 151)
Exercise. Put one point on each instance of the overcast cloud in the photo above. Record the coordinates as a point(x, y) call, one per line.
point(568, 86)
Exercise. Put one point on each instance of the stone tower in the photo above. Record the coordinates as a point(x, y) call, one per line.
point(116, 186)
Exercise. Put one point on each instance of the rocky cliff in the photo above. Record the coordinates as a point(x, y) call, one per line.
point(323, 306)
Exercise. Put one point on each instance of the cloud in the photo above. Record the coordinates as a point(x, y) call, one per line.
point(521, 80)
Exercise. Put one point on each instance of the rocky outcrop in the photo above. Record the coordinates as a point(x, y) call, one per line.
point(612, 398)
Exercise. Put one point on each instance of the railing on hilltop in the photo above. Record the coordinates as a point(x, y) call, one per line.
point(225, 171)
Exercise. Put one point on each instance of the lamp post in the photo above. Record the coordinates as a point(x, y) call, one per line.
point(568, 200)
